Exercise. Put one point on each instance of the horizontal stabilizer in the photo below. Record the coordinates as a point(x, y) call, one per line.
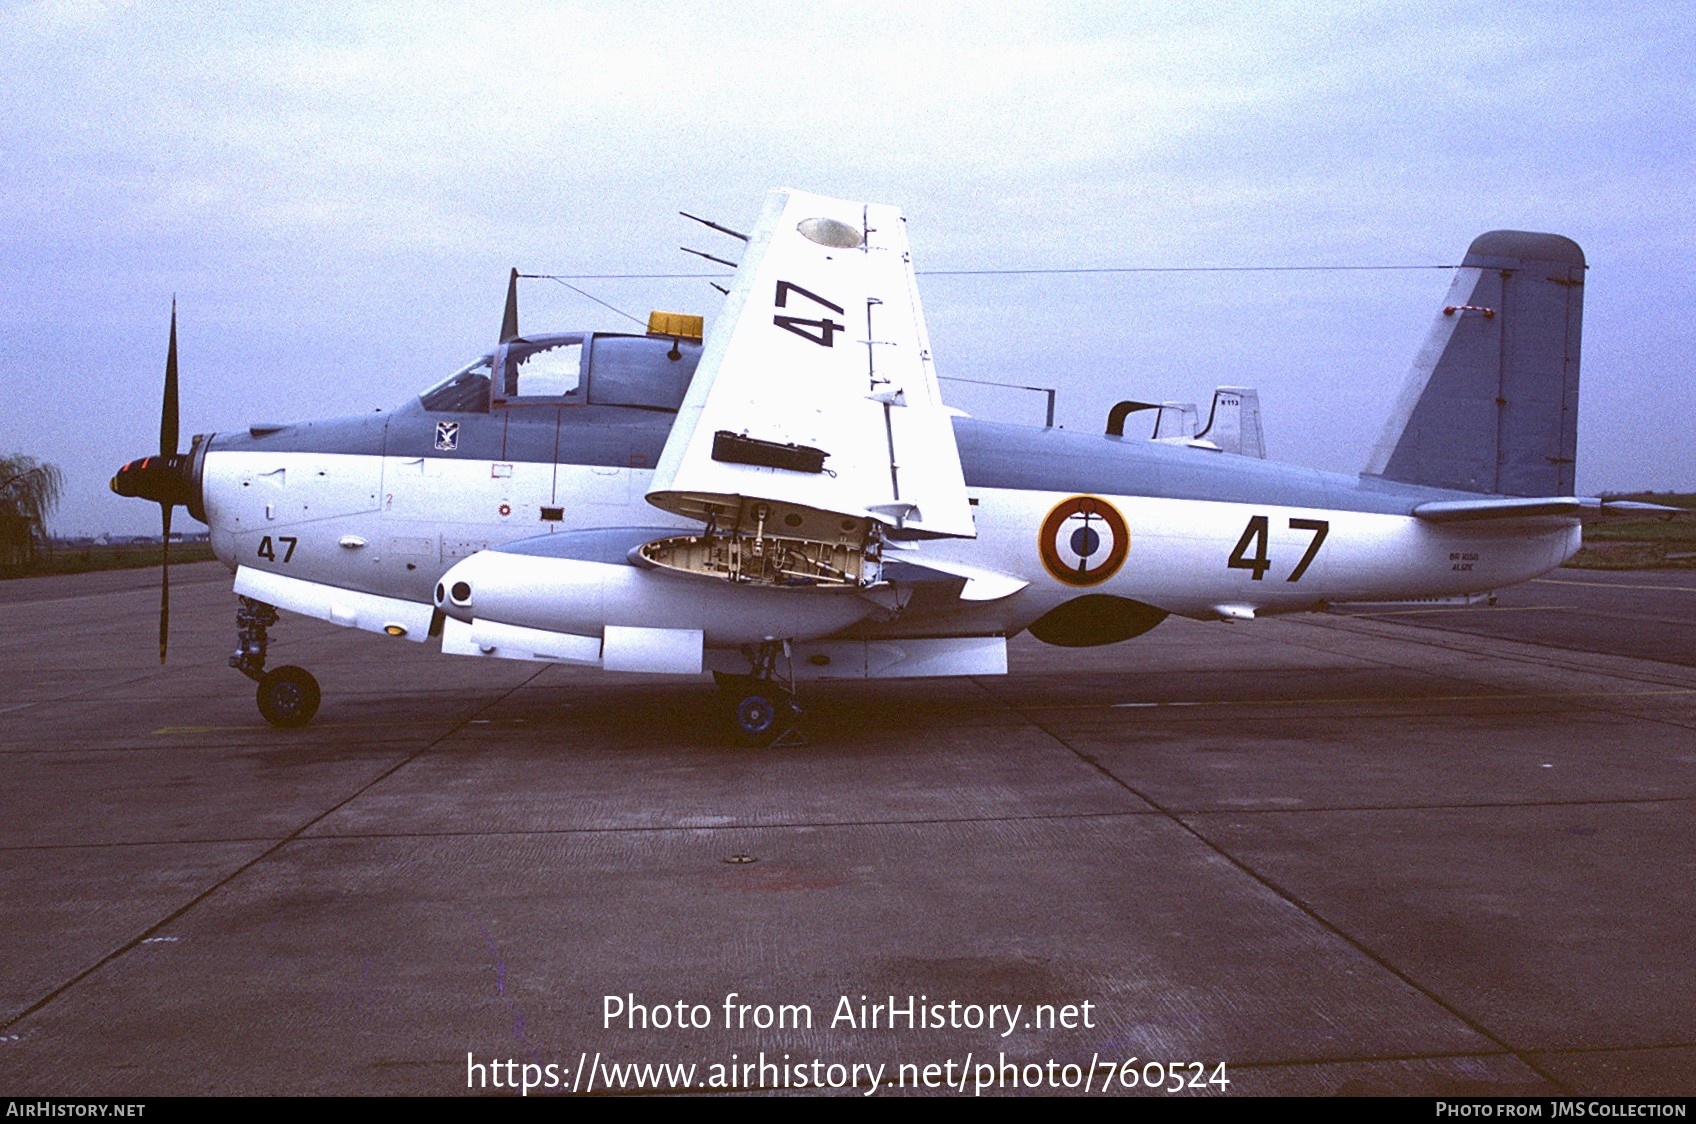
point(1630, 509)
point(1516, 507)
point(1495, 507)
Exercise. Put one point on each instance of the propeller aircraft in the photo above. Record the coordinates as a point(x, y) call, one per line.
point(789, 499)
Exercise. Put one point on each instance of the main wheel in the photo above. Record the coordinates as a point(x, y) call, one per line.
point(759, 714)
point(288, 696)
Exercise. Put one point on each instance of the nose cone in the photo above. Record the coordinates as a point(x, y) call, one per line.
point(162, 479)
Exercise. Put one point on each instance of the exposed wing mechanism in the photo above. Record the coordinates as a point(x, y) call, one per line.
point(814, 426)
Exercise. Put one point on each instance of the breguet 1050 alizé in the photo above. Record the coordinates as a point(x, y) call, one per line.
point(790, 499)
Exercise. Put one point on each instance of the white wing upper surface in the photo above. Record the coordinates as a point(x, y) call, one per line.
point(821, 345)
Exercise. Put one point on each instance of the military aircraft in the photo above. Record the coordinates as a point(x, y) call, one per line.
point(789, 498)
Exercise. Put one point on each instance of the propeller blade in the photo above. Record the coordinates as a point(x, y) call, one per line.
point(165, 579)
point(167, 448)
point(168, 411)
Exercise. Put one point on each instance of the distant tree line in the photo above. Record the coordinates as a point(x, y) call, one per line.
point(29, 491)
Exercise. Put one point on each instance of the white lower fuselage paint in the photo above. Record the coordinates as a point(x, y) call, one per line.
point(392, 526)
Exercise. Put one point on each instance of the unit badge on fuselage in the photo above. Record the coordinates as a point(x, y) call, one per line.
point(1084, 540)
point(447, 436)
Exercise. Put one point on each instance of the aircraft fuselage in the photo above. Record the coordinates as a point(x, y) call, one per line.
point(371, 504)
point(793, 489)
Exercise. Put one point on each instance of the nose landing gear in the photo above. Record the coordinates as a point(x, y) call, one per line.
point(288, 696)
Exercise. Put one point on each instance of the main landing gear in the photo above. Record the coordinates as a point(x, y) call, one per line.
point(288, 696)
point(758, 710)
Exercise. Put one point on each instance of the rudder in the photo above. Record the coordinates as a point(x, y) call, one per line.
point(1491, 404)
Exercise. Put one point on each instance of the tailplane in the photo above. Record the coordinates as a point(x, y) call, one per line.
point(1492, 402)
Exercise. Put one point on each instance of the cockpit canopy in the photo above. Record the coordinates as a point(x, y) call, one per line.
point(600, 369)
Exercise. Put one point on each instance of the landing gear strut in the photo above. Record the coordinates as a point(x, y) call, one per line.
point(760, 710)
point(288, 695)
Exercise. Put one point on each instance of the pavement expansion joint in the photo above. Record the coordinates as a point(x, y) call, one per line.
point(781, 825)
point(218, 884)
point(1312, 912)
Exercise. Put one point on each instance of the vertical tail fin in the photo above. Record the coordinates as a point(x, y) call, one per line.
point(1492, 402)
point(1233, 423)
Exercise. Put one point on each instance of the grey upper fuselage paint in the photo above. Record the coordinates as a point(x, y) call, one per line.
point(634, 386)
point(993, 455)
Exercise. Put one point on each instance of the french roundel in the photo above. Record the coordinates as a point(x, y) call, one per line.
point(1084, 541)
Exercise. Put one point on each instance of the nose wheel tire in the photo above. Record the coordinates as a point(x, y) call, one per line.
point(288, 696)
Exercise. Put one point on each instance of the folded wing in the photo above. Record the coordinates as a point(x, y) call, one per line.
point(814, 425)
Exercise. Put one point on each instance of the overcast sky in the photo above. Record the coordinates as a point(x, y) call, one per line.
point(335, 197)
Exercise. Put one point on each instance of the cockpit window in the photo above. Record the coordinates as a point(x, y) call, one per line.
point(552, 369)
point(466, 391)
